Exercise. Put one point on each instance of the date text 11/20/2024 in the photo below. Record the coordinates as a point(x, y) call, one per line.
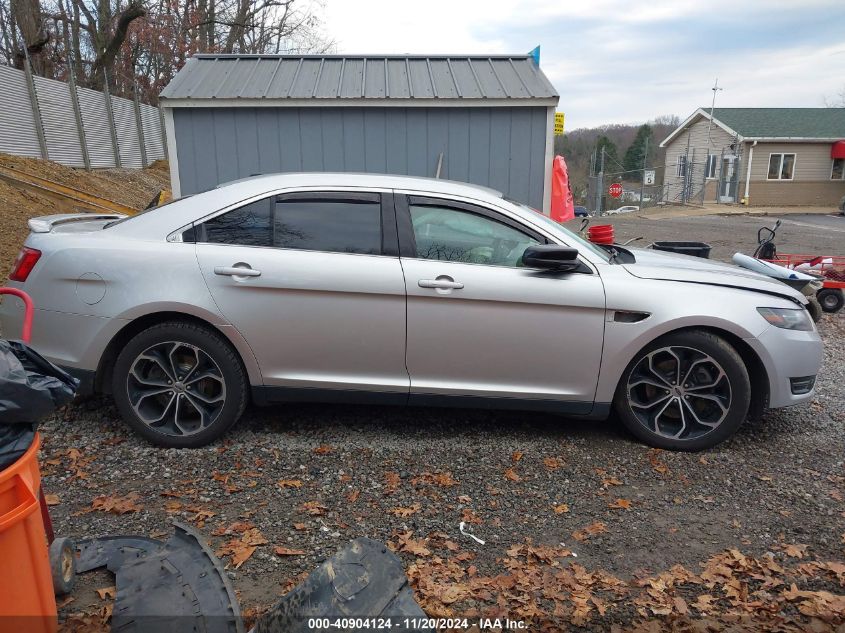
point(441, 624)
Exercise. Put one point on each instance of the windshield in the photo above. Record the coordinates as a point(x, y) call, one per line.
point(578, 241)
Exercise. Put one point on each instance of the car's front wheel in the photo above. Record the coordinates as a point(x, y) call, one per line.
point(179, 385)
point(685, 391)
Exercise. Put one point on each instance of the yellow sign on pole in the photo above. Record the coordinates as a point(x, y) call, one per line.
point(559, 119)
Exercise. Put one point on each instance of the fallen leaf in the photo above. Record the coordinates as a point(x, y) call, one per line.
point(516, 456)
point(106, 592)
point(657, 465)
point(353, 495)
point(314, 508)
point(289, 483)
point(469, 516)
point(795, 550)
point(254, 537)
point(117, 505)
point(286, 551)
point(561, 508)
point(591, 530)
point(411, 545)
point(323, 450)
point(52, 500)
point(393, 481)
point(238, 550)
point(611, 481)
point(300, 526)
point(620, 504)
point(238, 527)
point(552, 463)
point(511, 474)
point(405, 512)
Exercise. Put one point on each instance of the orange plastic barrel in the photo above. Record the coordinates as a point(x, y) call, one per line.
point(27, 601)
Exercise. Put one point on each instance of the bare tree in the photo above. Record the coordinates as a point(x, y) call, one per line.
point(141, 44)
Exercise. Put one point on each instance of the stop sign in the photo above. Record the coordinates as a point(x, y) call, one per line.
point(615, 189)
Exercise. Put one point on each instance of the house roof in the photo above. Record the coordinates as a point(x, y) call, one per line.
point(821, 124)
point(329, 79)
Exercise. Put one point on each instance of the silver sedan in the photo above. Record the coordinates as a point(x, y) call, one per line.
point(398, 290)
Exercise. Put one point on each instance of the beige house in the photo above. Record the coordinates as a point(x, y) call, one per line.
point(759, 156)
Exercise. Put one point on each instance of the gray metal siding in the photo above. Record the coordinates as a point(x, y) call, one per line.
point(502, 148)
point(18, 134)
point(322, 77)
point(17, 124)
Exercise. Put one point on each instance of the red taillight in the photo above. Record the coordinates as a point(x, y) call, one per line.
point(24, 264)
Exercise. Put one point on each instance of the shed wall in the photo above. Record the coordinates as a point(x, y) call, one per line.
point(502, 148)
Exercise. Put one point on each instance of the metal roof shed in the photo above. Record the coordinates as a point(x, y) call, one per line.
point(487, 120)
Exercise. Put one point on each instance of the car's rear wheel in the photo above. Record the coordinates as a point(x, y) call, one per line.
point(179, 385)
point(685, 391)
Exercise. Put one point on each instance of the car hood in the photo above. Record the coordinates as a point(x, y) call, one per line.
point(651, 264)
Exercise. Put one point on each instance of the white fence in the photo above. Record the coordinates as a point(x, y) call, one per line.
point(78, 127)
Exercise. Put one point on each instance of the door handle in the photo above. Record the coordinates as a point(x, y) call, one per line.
point(236, 271)
point(443, 282)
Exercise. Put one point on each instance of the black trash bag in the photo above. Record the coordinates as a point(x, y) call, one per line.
point(31, 387)
point(15, 440)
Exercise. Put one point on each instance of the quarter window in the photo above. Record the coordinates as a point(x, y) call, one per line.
point(837, 171)
point(452, 235)
point(781, 166)
point(334, 225)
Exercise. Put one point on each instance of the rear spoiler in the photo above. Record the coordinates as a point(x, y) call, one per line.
point(45, 223)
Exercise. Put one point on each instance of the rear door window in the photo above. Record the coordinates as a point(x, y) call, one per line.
point(330, 222)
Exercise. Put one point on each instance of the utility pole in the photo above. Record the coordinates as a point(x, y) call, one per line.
point(715, 89)
point(645, 162)
point(601, 184)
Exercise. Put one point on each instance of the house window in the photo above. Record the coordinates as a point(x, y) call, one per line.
point(710, 167)
point(781, 166)
point(837, 171)
point(682, 167)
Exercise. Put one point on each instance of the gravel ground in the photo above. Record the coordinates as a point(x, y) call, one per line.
point(311, 477)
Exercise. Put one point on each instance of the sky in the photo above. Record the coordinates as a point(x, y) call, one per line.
point(613, 61)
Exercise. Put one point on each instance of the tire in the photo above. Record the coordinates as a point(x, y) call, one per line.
point(179, 385)
point(831, 299)
point(649, 405)
point(62, 554)
point(815, 309)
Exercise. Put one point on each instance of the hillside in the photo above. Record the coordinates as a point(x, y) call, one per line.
point(133, 187)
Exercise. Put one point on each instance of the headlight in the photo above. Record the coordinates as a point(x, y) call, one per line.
point(787, 318)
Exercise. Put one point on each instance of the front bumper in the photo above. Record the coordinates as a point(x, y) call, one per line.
point(788, 355)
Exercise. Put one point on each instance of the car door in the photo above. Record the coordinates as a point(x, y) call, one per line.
point(313, 282)
point(481, 324)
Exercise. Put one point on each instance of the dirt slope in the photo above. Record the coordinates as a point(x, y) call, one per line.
point(133, 187)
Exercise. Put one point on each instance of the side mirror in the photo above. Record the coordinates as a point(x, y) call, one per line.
point(551, 257)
